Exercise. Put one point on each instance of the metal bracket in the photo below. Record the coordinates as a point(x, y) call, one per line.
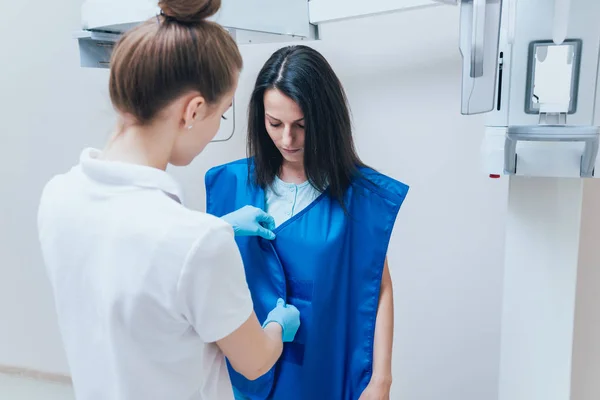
point(234, 126)
point(553, 133)
point(95, 48)
point(553, 118)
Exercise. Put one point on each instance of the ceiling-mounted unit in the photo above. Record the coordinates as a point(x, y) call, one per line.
point(248, 21)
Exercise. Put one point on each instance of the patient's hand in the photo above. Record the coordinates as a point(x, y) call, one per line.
point(378, 389)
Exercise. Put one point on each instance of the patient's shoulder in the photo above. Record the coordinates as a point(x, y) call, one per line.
point(381, 184)
point(235, 169)
point(241, 164)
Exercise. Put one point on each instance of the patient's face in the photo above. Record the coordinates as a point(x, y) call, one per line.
point(284, 121)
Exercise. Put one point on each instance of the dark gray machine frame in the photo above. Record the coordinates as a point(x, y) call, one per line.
point(533, 46)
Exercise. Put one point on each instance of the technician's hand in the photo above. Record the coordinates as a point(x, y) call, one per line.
point(288, 317)
point(251, 221)
point(377, 390)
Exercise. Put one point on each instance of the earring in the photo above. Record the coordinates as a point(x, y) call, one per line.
point(190, 127)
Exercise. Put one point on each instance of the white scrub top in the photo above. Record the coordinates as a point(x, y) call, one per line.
point(143, 286)
point(284, 200)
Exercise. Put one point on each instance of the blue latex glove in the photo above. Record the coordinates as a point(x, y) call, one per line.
point(288, 317)
point(251, 221)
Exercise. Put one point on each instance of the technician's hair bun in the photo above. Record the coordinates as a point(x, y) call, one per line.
point(189, 11)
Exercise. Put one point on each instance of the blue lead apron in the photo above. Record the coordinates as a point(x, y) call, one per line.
point(327, 263)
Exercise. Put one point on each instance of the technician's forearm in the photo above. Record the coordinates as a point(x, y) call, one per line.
point(274, 345)
point(251, 350)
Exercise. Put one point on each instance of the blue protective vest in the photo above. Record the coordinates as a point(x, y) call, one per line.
point(329, 265)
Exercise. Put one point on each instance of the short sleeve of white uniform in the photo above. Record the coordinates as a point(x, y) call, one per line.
point(212, 287)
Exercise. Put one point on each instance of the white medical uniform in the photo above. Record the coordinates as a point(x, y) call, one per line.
point(284, 200)
point(143, 286)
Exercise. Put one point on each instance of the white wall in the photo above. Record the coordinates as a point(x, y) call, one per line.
point(403, 81)
point(50, 109)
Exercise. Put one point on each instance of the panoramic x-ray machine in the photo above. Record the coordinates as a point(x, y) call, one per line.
point(532, 66)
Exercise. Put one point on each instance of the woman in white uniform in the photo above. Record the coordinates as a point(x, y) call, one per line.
point(151, 296)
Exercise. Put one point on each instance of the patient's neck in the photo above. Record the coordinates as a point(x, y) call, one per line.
point(292, 172)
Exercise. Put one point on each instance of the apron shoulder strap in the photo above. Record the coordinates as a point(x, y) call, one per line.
point(382, 185)
point(228, 188)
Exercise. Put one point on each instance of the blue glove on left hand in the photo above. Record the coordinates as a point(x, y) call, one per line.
point(251, 221)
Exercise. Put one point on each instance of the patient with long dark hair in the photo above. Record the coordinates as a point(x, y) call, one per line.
point(334, 216)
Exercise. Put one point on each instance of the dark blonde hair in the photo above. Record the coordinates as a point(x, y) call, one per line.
point(171, 54)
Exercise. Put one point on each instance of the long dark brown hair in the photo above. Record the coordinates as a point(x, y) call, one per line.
point(330, 159)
